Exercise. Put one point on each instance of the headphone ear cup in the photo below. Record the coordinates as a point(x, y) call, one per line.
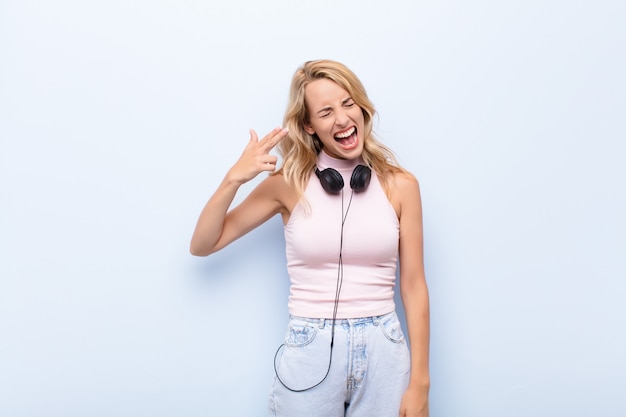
point(360, 179)
point(331, 180)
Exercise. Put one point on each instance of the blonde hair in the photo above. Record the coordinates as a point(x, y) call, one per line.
point(299, 150)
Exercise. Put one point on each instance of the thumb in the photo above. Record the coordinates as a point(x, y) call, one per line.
point(254, 138)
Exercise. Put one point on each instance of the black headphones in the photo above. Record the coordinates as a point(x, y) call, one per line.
point(332, 181)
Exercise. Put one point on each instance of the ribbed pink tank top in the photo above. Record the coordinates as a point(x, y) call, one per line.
point(370, 249)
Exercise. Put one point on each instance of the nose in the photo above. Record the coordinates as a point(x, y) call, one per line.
point(341, 118)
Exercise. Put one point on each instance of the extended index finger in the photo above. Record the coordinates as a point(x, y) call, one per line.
point(274, 137)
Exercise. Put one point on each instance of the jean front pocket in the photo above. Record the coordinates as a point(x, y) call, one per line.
point(392, 329)
point(300, 333)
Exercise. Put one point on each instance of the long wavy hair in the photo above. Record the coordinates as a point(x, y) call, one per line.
point(299, 150)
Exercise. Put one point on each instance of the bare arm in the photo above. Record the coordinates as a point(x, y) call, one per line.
point(216, 226)
point(414, 292)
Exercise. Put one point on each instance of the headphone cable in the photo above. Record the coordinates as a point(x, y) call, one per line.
point(344, 216)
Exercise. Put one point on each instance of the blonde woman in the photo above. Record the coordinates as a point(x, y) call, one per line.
point(351, 215)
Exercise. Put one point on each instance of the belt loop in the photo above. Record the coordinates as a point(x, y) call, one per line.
point(321, 323)
point(376, 320)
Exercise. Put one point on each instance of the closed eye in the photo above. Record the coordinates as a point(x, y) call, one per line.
point(324, 112)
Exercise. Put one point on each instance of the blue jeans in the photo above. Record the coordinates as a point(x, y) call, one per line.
point(367, 377)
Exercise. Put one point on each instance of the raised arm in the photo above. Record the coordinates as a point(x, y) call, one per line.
point(217, 226)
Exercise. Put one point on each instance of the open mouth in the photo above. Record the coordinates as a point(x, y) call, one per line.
point(348, 138)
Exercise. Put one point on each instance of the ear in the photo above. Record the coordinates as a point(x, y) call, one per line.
point(309, 129)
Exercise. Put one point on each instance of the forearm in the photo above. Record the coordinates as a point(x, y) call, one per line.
point(417, 310)
point(211, 221)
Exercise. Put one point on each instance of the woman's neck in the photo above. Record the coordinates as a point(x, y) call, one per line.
point(325, 161)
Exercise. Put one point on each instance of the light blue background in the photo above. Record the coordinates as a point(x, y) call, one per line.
point(118, 119)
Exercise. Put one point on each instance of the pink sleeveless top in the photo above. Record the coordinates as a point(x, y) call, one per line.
point(370, 248)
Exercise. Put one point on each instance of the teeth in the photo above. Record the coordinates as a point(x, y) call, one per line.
point(345, 134)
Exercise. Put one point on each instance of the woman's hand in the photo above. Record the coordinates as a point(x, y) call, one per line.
point(214, 230)
point(256, 156)
point(414, 403)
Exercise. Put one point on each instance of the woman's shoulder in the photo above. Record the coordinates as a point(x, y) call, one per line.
point(403, 189)
point(403, 178)
point(401, 181)
point(276, 186)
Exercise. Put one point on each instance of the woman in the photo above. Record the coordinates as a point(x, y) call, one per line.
point(344, 354)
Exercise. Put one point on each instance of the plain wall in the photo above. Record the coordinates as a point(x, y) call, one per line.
point(118, 119)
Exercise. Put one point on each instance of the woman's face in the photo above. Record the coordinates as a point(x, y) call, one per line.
point(335, 118)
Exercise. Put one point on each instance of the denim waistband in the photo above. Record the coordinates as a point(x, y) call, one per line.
point(375, 320)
